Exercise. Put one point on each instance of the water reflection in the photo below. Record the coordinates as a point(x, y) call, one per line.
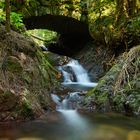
point(94, 127)
point(28, 138)
point(78, 125)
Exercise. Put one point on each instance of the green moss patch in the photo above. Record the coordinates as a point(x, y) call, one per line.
point(13, 64)
point(121, 85)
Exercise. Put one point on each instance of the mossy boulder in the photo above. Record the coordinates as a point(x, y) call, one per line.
point(23, 79)
point(13, 64)
point(8, 100)
point(119, 88)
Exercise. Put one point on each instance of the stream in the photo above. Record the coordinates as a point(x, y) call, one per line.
point(67, 123)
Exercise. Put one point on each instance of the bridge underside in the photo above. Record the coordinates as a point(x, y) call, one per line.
point(74, 34)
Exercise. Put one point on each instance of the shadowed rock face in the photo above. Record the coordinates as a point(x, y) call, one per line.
point(20, 78)
point(73, 34)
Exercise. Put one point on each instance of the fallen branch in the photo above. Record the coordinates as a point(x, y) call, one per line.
point(36, 37)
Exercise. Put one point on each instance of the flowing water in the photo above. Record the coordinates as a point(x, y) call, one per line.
point(75, 77)
point(67, 123)
point(73, 126)
point(80, 72)
point(82, 80)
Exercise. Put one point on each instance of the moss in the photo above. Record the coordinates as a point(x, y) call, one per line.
point(12, 64)
point(21, 74)
point(119, 100)
point(27, 77)
point(103, 97)
point(121, 85)
point(8, 101)
point(25, 111)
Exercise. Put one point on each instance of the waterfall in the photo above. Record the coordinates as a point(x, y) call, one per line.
point(70, 102)
point(82, 79)
point(56, 99)
point(66, 75)
point(80, 72)
point(76, 77)
point(75, 121)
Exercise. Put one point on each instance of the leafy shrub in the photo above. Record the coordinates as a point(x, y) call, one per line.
point(133, 25)
point(16, 19)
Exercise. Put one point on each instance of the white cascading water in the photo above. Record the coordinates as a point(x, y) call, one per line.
point(80, 72)
point(76, 122)
point(66, 75)
point(82, 79)
point(83, 83)
point(68, 105)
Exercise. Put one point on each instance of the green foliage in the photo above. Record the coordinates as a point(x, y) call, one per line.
point(110, 22)
point(25, 110)
point(16, 19)
point(44, 34)
point(133, 100)
point(119, 100)
point(2, 14)
point(47, 71)
point(133, 25)
point(101, 8)
point(102, 19)
point(102, 98)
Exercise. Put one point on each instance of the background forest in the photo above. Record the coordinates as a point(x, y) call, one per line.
point(111, 22)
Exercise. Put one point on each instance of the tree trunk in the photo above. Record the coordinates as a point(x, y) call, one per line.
point(131, 7)
point(7, 3)
point(125, 9)
point(84, 11)
point(119, 10)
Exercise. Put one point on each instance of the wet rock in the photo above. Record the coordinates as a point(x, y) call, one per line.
point(22, 86)
point(96, 59)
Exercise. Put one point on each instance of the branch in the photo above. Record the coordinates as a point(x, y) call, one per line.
point(36, 37)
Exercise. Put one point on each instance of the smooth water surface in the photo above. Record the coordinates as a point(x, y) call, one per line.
point(89, 126)
point(80, 85)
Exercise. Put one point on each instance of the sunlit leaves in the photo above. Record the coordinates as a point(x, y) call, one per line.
point(101, 8)
point(46, 35)
point(16, 19)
